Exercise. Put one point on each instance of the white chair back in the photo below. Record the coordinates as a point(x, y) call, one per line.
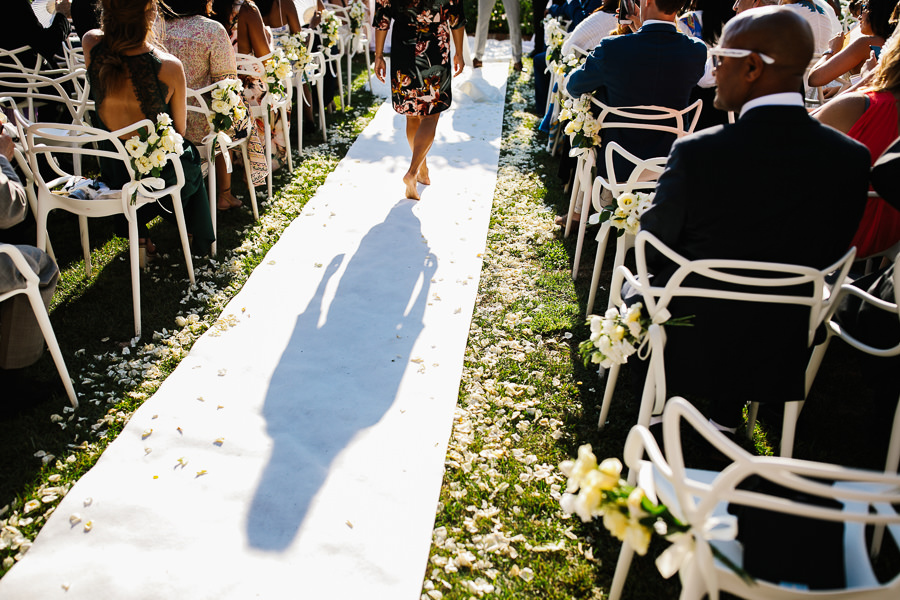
point(31, 91)
point(700, 498)
point(49, 141)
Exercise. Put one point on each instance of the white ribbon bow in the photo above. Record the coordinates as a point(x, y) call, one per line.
point(139, 186)
point(224, 141)
point(692, 546)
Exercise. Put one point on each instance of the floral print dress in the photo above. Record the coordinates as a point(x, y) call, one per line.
point(420, 51)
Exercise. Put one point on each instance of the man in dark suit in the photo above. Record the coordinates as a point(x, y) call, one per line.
point(656, 66)
point(775, 186)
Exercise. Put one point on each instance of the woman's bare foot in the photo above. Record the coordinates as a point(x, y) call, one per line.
point(422, 176)
point(411, 192)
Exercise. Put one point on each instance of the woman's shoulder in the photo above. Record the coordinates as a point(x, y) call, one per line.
point(91, 39)
point(842, 112)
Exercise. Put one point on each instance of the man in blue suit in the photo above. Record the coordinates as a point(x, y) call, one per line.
point(656, 66)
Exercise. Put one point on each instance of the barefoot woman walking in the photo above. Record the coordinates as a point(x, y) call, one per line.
point(420, 69)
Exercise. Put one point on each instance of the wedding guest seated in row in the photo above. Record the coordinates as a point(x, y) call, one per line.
point(85, 16)
point(21, 340)
point(205, 51)
point(655, 66)
point(812, 182)
point(822, 19)
point(875, 25)
point(870, 116)
point(585, 35)
point(742, 5)
point(133, 79)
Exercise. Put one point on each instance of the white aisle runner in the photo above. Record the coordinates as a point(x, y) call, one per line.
point(299, 453)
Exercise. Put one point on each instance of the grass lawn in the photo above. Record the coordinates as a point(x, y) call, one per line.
point(526, 401)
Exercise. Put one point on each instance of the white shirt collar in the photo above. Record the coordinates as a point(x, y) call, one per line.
point(782, 99)
point(657, 22)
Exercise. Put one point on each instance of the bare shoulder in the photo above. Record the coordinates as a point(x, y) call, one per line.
point(171, 69)
point(842, 112)
point(91, 39)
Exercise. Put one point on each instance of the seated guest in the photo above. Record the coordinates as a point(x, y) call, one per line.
point(21, 28)
point(870, 117)
point(656, 66)
point(85, 16)
point(875, 26)
point(823, 21)
point(742, 5)
point(708, 205)
point(585, 35)
point(204, 49)
point(21, 340)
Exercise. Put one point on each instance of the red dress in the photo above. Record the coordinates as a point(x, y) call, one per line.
point(879, 228)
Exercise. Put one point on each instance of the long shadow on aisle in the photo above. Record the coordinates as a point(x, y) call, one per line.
point(340, 373)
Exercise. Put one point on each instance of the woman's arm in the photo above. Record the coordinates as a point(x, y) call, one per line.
point(830, 67)
point(379, 65)
point(458, 41)
point(253, 37)
point(291, 15)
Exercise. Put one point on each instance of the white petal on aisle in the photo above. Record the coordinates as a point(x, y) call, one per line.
point(299, 452)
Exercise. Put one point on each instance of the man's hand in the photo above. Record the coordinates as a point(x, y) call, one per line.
point(380, 67)
point(6, 145)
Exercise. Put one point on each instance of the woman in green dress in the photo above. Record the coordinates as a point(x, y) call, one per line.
point(131, 80)
point(420, 69)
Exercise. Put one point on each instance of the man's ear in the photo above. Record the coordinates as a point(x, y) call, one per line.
point(754, 67)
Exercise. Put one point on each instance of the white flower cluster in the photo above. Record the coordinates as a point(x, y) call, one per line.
point(295, 49)
point(569, 63)
point(150, 151)
point(582, 127)
point(615, 336)
point(227, 105)
point(357, 14)
point(329, 27)
point(278, 69)
point(625, 212)
point(602, 492)
point(554, 35)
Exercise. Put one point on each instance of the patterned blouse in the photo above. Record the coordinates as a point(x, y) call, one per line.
point(205, 50)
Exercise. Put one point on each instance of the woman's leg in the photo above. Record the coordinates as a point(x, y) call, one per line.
point(420, 134)
point(225, 198)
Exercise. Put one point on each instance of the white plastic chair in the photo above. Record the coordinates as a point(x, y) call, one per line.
point(32, 290)
point(81, 140)
point(16, 60)
point(353, 44)
point(700, 499)
point(641, 178)
point(334, 59)
point(31, 91)
point(648, 118)
point(253, 67)
point(755, 287)
point(197, 102)
point(834, 329)
point(314, 76)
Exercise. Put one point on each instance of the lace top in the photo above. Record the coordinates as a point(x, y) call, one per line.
point(144, 71)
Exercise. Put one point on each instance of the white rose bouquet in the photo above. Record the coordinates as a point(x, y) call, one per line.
point(555, 35)
point(568, 64)
point(295, 49)
point(329, 27)
point(149, 152)
point(628, 512)
point(625, 212)
point(580, 124)
point(227, 105)
point(357, 14)
point(278, 69)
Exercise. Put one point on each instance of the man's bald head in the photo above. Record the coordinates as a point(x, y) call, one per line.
point(780, 33)
point(776, 32)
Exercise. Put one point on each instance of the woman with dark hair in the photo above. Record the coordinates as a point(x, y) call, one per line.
point(204, 49)
point(133, 79)
point(875, 27)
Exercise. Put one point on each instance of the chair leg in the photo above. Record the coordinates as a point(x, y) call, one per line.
point(85, 243)
point(752, 411)
point(349, 75)
point(621, 574)
point(213, 199)
point(182, 231)
point(133, 253)
point(602, 240)
point(893, 454)
point(321, 96)
point(268, 133)
point(570, 216)
point(789, 427)
point(612, 375)
point(286, 132)
point(43, 319)
point(582, 228)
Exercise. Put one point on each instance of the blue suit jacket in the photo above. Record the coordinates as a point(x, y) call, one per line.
point(656, 66)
